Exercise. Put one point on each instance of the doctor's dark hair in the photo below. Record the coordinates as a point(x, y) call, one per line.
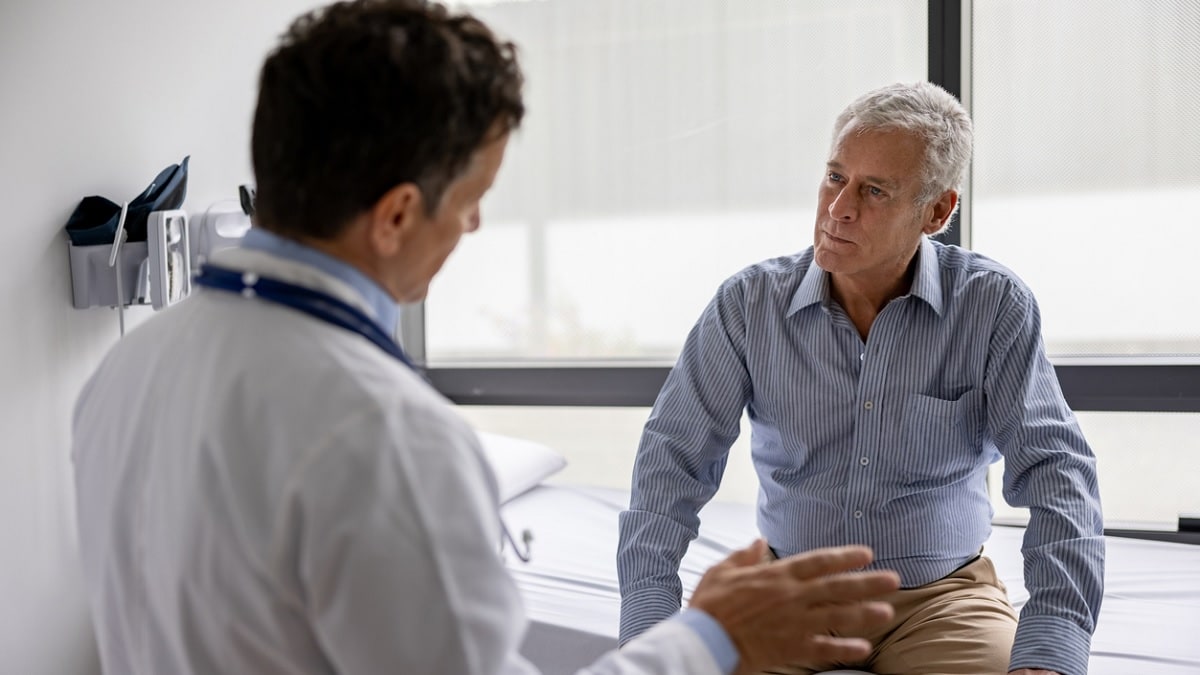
point(362, 96)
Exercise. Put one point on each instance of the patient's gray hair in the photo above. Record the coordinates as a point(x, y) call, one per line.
point(934, 115)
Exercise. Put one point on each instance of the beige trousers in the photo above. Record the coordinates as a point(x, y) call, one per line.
point(962, 624)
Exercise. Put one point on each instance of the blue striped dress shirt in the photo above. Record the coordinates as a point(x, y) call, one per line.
point(885, 442)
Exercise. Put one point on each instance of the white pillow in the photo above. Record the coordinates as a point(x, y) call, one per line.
point(519, 465)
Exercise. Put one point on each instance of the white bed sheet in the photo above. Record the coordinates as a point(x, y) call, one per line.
point(1149, 622)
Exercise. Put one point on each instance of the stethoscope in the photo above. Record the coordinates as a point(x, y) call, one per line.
point(334, 311)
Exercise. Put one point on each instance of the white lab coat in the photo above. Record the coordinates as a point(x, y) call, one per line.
point(262, 492)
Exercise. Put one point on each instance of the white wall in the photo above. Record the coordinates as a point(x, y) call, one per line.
point(95, 98)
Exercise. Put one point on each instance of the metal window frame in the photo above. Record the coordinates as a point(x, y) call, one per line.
point(1135, 386)
point(949, 44)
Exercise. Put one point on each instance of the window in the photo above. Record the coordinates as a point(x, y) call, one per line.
point(1087, 167)
point(668, 144)
point(1086, 171)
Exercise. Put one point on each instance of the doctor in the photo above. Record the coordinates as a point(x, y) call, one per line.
point(290, 496)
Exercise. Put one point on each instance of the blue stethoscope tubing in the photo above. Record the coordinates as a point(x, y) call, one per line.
point(331, 310)
point(312, 302)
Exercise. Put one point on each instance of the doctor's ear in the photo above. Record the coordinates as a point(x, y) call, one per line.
point(394, 218)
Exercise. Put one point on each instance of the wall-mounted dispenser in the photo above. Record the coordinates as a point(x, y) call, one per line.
point(136, 253)
point(155, 272)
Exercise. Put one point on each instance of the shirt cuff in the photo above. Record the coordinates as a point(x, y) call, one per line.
point(642, 608)
point(714, 637)
point(1051, 643)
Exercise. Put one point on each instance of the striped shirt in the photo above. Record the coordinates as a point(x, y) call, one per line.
point(885, 442)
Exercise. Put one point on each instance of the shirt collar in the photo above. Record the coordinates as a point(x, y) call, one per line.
point(813, 290)
point(927, 284)
point(386, 311)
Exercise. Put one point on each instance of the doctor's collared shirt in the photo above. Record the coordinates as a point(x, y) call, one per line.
point(885, 442)
point(384, 309)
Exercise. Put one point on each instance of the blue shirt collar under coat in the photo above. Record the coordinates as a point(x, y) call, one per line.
point(385, 310)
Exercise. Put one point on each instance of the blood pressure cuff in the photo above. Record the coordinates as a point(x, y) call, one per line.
point(94, 221)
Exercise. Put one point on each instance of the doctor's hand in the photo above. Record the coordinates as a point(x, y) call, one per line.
point(783, 611)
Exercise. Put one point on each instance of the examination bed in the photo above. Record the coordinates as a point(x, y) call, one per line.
point(1149, 622)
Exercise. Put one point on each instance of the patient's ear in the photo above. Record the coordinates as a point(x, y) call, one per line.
point(940, 211)
point(394, 218)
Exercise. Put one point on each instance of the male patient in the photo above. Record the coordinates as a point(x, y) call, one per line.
point(882, 372)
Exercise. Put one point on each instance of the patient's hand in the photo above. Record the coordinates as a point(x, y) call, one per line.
point(783, 611)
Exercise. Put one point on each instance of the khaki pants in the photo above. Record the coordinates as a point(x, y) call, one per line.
point(962, 624)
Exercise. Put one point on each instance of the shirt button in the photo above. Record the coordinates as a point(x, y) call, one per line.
point(862, 356)
point(864, 461)
point(868, 405)
point(858, 514)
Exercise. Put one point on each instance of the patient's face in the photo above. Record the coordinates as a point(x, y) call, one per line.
point(868, 224)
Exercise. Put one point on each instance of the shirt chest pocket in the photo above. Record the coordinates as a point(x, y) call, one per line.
point(940, 438)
